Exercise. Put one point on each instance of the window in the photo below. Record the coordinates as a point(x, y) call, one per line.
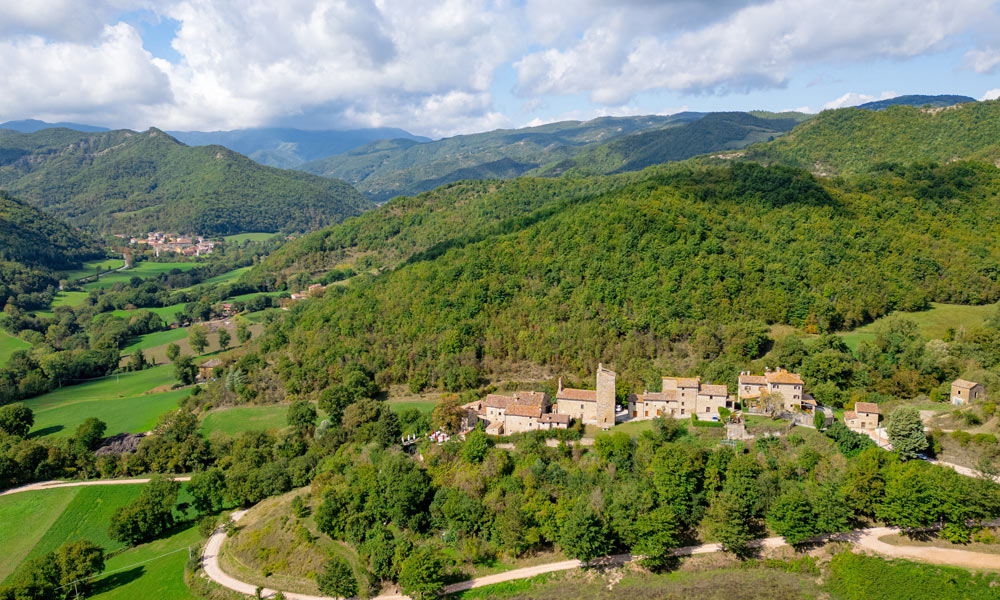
point(682, 411)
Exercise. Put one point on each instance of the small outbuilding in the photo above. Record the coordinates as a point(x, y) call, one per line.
point(964, 392)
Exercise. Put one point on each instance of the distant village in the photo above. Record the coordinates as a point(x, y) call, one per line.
point(775, 392)
point(161, 242)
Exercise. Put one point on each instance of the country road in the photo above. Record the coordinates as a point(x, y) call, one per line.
point(48, 485)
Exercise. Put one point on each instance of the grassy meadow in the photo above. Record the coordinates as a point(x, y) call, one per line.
point(249, 237)
point(933, 323)
point(120, 401)
point(9, 344)
point(91, 267)
point(159, 338)
point(238, 419)
point(143, 270)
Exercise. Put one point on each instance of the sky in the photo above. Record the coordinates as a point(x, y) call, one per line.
point(446, 67)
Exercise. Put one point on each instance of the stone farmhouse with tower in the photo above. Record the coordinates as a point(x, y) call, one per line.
point(592, 407)
point(781, 382)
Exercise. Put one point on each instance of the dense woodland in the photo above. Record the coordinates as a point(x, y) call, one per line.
point(128, 182)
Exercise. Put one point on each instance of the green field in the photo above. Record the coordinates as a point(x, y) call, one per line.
point(90, 267)
point(244, 418)
point(253, 237)
point(932, 323)
point(9, 344)
point(26, 517)
point(424, 406)
point(152, 340)
point(245, 297)
point(142, 270)
point(167, 313)
point(116, 400)
point(161, 578)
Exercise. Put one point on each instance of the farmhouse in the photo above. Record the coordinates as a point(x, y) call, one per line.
point(680, 398)
point(864, 416)
point(789, 386)
point(523, 411)
point(963, 392)
point(592, 407)
point(207, 369)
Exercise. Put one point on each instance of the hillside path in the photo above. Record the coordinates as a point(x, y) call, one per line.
point(48, 485)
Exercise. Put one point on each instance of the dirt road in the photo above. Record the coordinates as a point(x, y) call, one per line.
point(48, 485)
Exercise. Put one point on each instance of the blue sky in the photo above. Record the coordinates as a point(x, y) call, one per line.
point(459, 66)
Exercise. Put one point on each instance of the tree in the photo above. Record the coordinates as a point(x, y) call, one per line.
point(448, 414)
point(583, 534)
point(224, 338)
point(906, 432)
point(243, 333)
point(387, 429)
point(16, 419)
point(615, 448)
point(198, 338)
point(77, 562)
point(657, 534)
point(791, 516)
point(173, 351)
point(302, 417)
point(477, 444)
point(207, 488)
point(90, 433)
point(819, 419)
point(147, 516)
point(421, 575)
point(185, 370)
point(337, 579)
point(138, 361)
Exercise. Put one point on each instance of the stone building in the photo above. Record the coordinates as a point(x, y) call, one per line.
point(520, 412)
point(680, 398)
point(592, 407)
point(781, 382)
point(963, 392)
point(864, 416)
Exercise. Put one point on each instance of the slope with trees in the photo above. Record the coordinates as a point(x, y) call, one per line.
point(124, 181)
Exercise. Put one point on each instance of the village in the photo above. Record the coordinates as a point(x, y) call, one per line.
point(161, 242)
point(775, 392)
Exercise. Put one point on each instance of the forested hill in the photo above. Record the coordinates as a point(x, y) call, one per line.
point(917, 100)
point(679, 267)
point(716, 131)
point(390, 168)
point(32, 246)
point(124, 181)
point(850, 140)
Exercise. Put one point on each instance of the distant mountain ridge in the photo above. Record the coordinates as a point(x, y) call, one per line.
point(286, 147)
point(125, 181)
point(33, 125)
point(917, 100)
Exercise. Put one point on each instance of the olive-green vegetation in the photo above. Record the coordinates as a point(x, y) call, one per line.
point(388, 168)
point(89, 268)
point(857, 577)
point(144, 269)
point(917, 100)
point(8, 344)
point(850, 141)
point(33, 248)
point(239, 238)
point(940, 322)
point(678, 269)
point(713, 132)
point(130, 182)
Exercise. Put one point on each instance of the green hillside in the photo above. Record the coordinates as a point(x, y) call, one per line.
point(716, 131)
point(679, 265)
point(851, 140)
point(389, 168)
point(123, 181)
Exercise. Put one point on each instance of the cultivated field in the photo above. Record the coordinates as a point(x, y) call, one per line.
point(9, 344)
point(142, 270)
point(93, 266)
point(933, 323)
point(244, 418)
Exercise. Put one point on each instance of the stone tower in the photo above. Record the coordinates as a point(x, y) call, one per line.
point(605, 413)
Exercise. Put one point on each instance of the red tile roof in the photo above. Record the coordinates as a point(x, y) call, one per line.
point(964, 383)
point(849, 415)
point(520, 410)
point(498, 401)
point(866, 407)
point(685, 382)
point(554, 418)
point(783, 377)
point(664, 396)
point(752, 380)
point(713, 389)
point(578, 395)
point(532, 398)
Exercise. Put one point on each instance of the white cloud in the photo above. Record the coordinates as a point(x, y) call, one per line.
point(755, 47)
point(854, 99)
point(982, 61)
point(991, 95)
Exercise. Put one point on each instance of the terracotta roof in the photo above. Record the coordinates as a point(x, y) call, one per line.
point(964, 383)
point(752, 395)
point(713, 389)
point(498, 401)
point(520, 410)
point(850, 414)
point(554, 418)
point(575, 394)
point(807, 399)
point(664, 396)
point(866, 407)
point(685, 382)
point(783, 377)
point(532, 398)
point(495, 427)
point(752, 380)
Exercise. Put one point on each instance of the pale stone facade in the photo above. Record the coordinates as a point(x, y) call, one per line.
point(963, 392)
point(592, 407)
point(864, 416)
point(680, 398)
point(523, 411)
point(780, 381)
